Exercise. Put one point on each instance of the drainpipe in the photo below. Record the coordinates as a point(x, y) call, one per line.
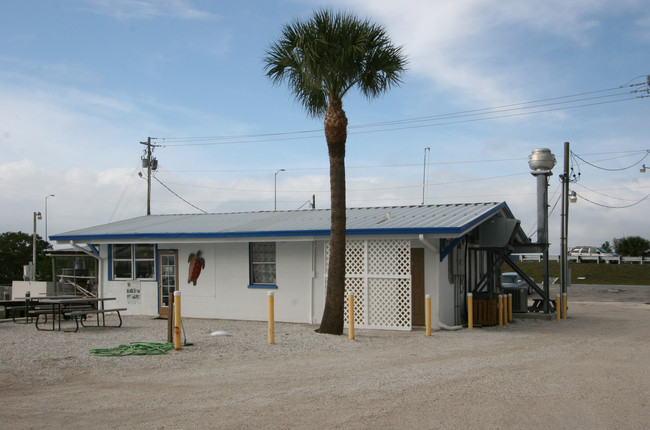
point(313, 277)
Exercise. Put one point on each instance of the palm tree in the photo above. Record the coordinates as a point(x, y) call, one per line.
point(321, 59)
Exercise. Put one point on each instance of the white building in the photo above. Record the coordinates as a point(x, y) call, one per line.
point(395, 255)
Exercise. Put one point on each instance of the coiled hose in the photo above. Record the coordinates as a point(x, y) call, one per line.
point(134, 348)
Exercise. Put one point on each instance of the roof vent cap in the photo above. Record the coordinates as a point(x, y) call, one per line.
point(541, 161)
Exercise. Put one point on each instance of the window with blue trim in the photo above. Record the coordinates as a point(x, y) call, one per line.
point(262, 263)
point(130, 260)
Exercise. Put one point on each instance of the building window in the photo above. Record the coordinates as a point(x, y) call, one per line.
point(133, 259)
point(262, 263)
point(144, 261)
point(122, 267)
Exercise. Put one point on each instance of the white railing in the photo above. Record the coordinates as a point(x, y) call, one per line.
point(582, 259)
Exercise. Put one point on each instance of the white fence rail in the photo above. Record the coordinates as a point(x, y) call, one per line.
point(582, 259)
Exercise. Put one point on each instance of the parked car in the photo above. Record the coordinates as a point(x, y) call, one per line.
point(590, 251)
point(512, 279)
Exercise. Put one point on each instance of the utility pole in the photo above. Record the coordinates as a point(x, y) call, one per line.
point(151, 164)
point(564, 264)
point(148, 175)
point(32, 273)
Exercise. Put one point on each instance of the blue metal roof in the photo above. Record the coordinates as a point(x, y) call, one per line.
point(449, 220)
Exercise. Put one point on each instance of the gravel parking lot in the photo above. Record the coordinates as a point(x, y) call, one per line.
point(589, 371)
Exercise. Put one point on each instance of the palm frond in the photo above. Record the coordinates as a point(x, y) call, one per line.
point(331, 53)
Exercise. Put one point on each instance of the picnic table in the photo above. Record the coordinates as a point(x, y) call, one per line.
point(23, 305)
point(73, 308)
point(13, 307)
point(538, 305)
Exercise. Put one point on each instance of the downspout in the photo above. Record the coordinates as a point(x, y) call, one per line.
point(100, 289)
point(313, 277)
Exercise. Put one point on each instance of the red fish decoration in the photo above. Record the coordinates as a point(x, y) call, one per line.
point(196, 264)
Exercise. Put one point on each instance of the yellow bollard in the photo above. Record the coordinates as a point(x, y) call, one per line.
point(500, 310)
point(351, 316)
point(271, 319)
point(558, 307)
point(509, 307)
point(470, 311)
point(177, 320)
point(564, 305)
point(427, 313)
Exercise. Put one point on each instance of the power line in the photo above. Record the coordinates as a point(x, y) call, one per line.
point(375, 166)
point(233, 141)
point(126, 186)
point(559, 196)
point(606, 195)
point(257, 190)
point(609, 169)
point(613, 207)
point(168, 189)
point(309, 134)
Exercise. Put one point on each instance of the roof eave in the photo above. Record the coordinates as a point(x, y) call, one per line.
point(90, 238)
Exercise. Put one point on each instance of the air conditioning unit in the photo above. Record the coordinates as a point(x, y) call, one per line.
point(519, 298)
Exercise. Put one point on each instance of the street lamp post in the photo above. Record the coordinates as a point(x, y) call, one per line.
point(424, 173)
point(32, 275)
point(275, 189)
point(51, 195)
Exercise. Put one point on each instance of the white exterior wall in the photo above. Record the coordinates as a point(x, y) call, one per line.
point(319, 287)
point(222, 288)
point(432, 281)
point(446, 293)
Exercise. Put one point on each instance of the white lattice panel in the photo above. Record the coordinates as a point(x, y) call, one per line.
point(355, 257)
point(378, 272)
point(356, 286)
point(389, 303)
point(389, 257)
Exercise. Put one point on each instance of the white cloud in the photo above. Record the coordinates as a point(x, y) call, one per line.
point(459, 45)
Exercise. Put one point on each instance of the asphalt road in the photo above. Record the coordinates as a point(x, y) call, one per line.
point(605, 293)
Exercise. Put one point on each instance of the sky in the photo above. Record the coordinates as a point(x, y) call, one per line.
point(84, 82)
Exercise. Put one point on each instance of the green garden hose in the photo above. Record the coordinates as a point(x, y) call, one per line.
point(134, 348)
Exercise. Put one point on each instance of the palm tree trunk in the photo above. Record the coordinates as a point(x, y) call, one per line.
point(336, 136)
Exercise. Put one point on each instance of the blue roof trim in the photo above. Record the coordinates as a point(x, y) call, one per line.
point(446, 251)
point(279, 233)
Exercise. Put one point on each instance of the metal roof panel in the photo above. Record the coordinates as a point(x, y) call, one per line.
point(450, 219)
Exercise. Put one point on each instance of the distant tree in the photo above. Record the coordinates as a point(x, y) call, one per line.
point(607, 246)
point(631, 246)
point(16, 251)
